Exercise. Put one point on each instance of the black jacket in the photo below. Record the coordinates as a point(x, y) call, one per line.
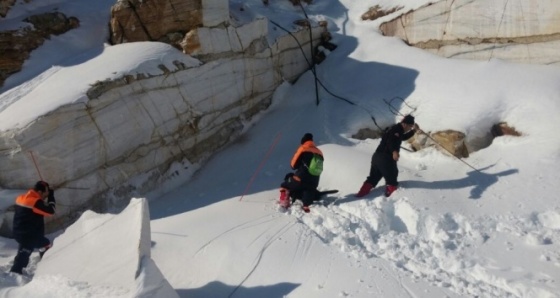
point(30, 211)
point(392, 139)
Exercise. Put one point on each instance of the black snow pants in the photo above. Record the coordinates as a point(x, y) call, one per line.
point(26, 247)
point(383, 166)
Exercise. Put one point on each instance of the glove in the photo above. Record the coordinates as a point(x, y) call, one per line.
point(51, 196)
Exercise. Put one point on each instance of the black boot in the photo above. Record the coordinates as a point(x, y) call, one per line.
point(21, 260)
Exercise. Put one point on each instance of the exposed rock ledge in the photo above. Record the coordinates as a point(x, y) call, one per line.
point(142, 127)
point(5, 6)
point(524, 31)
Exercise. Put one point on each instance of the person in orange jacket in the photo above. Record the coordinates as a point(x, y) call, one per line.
point(302, 184)
point(29, 225)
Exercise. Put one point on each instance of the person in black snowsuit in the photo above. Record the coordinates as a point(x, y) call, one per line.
point(384, 160)
point(302, 184)
point(29, 225)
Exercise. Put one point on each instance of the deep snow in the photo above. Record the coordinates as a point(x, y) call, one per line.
point(449, 231)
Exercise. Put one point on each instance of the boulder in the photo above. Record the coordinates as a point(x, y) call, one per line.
point(452, 142)
point(503, 129)
point(376, 12)
point(5, 6)
point(166, 21)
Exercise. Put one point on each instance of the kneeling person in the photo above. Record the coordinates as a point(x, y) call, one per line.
point(308, 165)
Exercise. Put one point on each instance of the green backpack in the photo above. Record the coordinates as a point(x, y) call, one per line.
point(316, 165)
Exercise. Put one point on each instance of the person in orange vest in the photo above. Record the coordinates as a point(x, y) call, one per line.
point(29, 225)
point(384, 160)
point(302, 184)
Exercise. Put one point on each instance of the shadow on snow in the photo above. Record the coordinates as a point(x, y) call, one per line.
point(218, 289)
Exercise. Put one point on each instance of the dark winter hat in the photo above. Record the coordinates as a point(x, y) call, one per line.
point(408, 119)
point(307, 137)
point(41, 186)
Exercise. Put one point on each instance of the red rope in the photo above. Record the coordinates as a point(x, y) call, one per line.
point(263, 161)
point(35, 163)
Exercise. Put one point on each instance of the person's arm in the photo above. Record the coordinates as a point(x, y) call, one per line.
point(393, 139)
point(46, 209)
point(410, 133)
point(296, 160)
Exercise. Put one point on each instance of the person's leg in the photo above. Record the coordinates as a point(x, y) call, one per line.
point(43, 244)
point(309, 192)
point(390, 172)
point(372, 180)
point(284, 200)
point(294, 187)
point(308, 196)
point(375, 173)
point(22, 258)
point(296, 195)
point(285, 190)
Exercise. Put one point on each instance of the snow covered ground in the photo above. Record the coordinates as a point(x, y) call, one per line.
point(449, 231)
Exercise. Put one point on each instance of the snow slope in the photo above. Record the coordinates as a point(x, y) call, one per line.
point(449, 231)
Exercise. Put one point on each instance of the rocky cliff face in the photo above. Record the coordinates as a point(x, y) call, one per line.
point(132, 133)
point(16, 45)
point(524, 31)
point(5, 6)
point(165, 21)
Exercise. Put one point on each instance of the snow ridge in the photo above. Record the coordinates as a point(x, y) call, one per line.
point(441, 249)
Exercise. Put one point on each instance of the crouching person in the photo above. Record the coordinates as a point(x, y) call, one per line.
point(29, 225)
point(308, 165)
point(292, 189)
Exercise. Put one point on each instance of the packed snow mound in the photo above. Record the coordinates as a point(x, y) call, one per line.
point(444, 249)
point(118, 256)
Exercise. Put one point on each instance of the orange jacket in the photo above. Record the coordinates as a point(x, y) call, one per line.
point(28, 217)
point(33, 201)
point(303, 155)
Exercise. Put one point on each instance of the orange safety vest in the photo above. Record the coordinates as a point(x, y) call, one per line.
point(308, 146)
point(29, 200)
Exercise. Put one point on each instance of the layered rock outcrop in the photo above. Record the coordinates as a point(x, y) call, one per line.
point(524, 31)
point(131, 133)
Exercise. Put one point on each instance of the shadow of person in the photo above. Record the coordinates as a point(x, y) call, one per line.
point(478, 180)
point(376, 192)
point(219, 289)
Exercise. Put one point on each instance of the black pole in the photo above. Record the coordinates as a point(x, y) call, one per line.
point(312, 54)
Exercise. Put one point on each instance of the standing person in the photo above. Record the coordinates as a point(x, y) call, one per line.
point(29, 225)
point(308, 165)
point(384, 160)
